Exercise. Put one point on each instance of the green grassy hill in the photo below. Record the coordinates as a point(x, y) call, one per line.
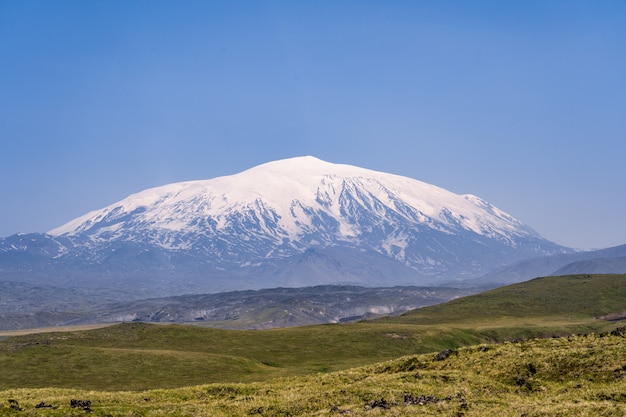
point(542, 307)
point(136, 356)
point(573, 376)
point(563, 297)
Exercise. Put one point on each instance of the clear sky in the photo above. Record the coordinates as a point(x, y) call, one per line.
point(522, 103)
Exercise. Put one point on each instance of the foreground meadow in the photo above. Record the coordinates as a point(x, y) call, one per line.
point(553, 346)
point(579, 375)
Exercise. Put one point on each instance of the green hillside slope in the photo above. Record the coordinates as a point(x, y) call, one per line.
point(567, 297)
point(136, 356)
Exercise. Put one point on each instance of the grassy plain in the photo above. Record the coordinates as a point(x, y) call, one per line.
point(570, 376)
point(136, 356)
point(504, 361)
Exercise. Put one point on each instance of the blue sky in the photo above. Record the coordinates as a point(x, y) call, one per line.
point(521, 103)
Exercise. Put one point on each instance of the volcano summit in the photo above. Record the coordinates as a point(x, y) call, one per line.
point(293, 222)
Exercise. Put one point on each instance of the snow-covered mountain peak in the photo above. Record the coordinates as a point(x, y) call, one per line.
point(291, 222)
point(308, 166)
point(293, 194)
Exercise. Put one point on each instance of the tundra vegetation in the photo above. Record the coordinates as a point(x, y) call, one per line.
point(551, 346)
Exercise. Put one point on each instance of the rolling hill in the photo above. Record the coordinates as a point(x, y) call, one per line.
point(138, 356)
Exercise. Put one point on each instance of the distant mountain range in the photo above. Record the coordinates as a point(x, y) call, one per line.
point(603, 261)
point(290, 223)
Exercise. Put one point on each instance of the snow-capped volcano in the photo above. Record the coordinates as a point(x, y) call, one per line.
point(286, 201)
point(300, 221)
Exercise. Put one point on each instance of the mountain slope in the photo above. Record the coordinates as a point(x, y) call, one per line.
point(603, 261)
point(295, 222)
point(273, 308)
point(595, 266)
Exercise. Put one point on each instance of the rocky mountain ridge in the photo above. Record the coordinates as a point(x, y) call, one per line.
point(27, 306)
